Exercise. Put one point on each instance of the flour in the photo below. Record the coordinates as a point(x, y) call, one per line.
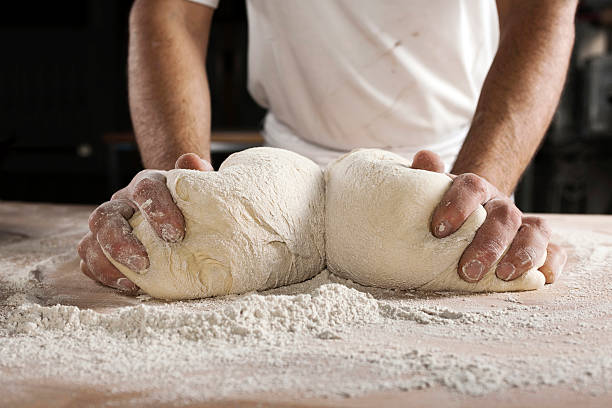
point(253, 318)
point(326, 337)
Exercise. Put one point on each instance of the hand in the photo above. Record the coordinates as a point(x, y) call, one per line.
point(110, 229)
point(526, 238)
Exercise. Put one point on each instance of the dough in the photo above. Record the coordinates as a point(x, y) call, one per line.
point(266, 220)
point(377, 219)
point(257, 223)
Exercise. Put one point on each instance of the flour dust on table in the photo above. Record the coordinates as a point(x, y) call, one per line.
point(322, 342)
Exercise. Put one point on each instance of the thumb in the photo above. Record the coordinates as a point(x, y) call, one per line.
point(426, 160)
point(192, 161)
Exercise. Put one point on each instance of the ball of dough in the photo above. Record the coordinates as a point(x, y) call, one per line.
point(257, 223)
point(378, 212)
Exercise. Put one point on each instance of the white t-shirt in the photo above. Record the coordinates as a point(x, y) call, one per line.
point(393, 74)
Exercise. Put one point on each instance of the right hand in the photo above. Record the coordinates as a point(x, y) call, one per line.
point(526, 238)
point(110, 229)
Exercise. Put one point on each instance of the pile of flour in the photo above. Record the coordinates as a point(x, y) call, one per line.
point(326, 337)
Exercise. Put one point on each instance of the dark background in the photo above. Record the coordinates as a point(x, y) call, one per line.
point(63, 87)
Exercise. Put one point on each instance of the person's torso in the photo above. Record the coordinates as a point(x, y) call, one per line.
point(394, 74)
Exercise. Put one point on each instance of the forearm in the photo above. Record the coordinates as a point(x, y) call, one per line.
point(168, 88)
point(520, 93)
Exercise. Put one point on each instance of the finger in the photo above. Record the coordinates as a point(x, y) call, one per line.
point(155, 202)
point(528, 247)
point(426, 160)
point(192, 161)
point(86, 271)
point(121, 194)
point(556, 257)
point(109, 225)
point(466, 193)
point(491, 240)
point(96, 266)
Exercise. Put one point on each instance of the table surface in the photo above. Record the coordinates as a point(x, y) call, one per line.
point(23, 222)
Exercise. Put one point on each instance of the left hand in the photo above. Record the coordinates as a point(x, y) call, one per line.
point(526, 238)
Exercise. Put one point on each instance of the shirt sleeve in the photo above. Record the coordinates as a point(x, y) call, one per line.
point(209, 3)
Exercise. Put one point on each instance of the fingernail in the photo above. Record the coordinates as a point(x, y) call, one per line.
point(443, 229)
point(505, 271)
point(473, 270)
point(137, 263)
point(170, 233)
point(125, 284)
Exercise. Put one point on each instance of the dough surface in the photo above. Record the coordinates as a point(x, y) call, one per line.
point(257, 223)
point(377, 219)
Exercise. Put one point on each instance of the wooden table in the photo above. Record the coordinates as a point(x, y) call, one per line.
point(64, 285)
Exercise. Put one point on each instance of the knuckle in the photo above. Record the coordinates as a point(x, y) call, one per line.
point(95, 215)
point(143, 187)
point(507, 213)
point(148, 188)
point(119, 194)
point(115, 242)
point(85, 270)
point(92, 265)
point(124, 207)
point(472, 182)
point(83, 246)
point(108, 211)
point(98, 215)
point(142, 174)
point(156, 175)
point(541, 225)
